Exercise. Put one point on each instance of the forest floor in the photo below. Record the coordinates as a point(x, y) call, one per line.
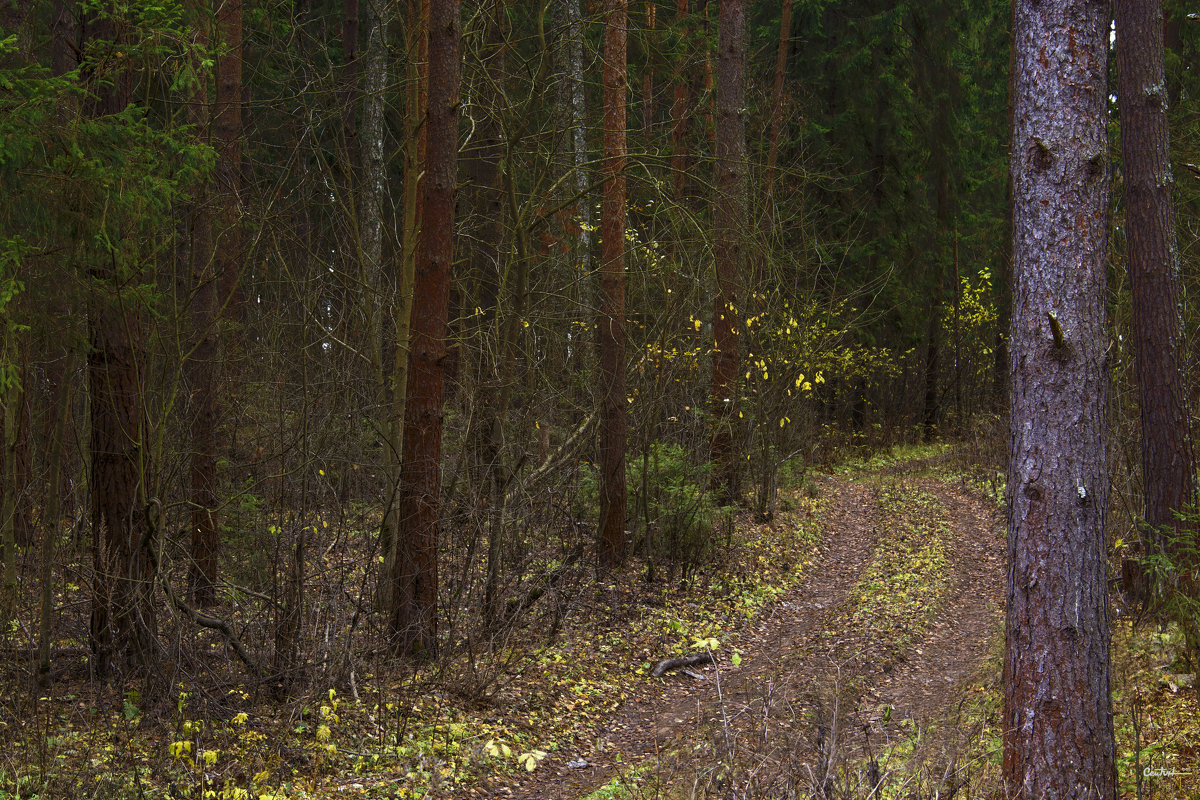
point(859, 676)
point(856, 644)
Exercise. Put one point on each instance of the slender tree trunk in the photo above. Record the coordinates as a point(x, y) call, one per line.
point(578, 133)
point(494, 373)
point(937, 77)
point(53, 509)
point(781, 57)
point(612, 291)
point(1168, 465)
point(372, 191)
point(680, 102)
point(414, 619)
point(123, 624)
point(63, 58)
point(10, 399)
point(729, 220)
point(416, 103)
point(351, 70)
point(1057, 722)
point(227, 127)
point(648, 73)
point(202, 369)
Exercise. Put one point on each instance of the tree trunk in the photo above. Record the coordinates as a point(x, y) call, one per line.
point(494, 370)
point(372, 190)
point(729, 219)
point(416, 134)
point(62, 405)
point(680, 111)
point(1168, 470)
point(648, 36)
point(414, 618)
point(932, 32)
point(123, 624)
point(10, 401)
point(202, 369)
point(1057, 722)
point(781, 56)
point(612, 291)
point(227, 126)
point(350, 78)
point(577, 98)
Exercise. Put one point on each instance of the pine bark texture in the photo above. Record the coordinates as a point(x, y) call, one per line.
point(1058, 726)
point(729, 220)
point(1168, 475)
point(612, 290)
point(414, 617)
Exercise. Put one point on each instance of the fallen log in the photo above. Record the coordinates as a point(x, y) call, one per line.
point(669, 664)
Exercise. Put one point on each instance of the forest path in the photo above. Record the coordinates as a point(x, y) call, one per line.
point(822, 684)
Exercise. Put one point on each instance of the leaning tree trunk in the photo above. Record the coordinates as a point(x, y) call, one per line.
point(1058, 726)
point(414, 613)
point(612, 291)
point(1168, 469)
point(729, 220)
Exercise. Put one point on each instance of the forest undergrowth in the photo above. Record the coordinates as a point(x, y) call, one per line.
point(563, 705)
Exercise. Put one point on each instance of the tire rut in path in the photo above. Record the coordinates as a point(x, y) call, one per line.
point(806, 676)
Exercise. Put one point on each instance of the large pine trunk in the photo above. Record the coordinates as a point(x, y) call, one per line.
point(729, 219)
point(1168, 476)
point(612, 290)
point(1058, 727)
point(414, 614)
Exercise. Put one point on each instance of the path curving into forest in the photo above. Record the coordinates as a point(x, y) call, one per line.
point(819, 686)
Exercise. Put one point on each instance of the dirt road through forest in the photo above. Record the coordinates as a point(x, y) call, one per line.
point(822, 685)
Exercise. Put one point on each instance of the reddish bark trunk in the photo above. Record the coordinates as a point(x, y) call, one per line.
point(729, 219)
point(781, 57)
point(414, 617)
point(612, 290)
point(1057, 722)
point(1168, 468)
